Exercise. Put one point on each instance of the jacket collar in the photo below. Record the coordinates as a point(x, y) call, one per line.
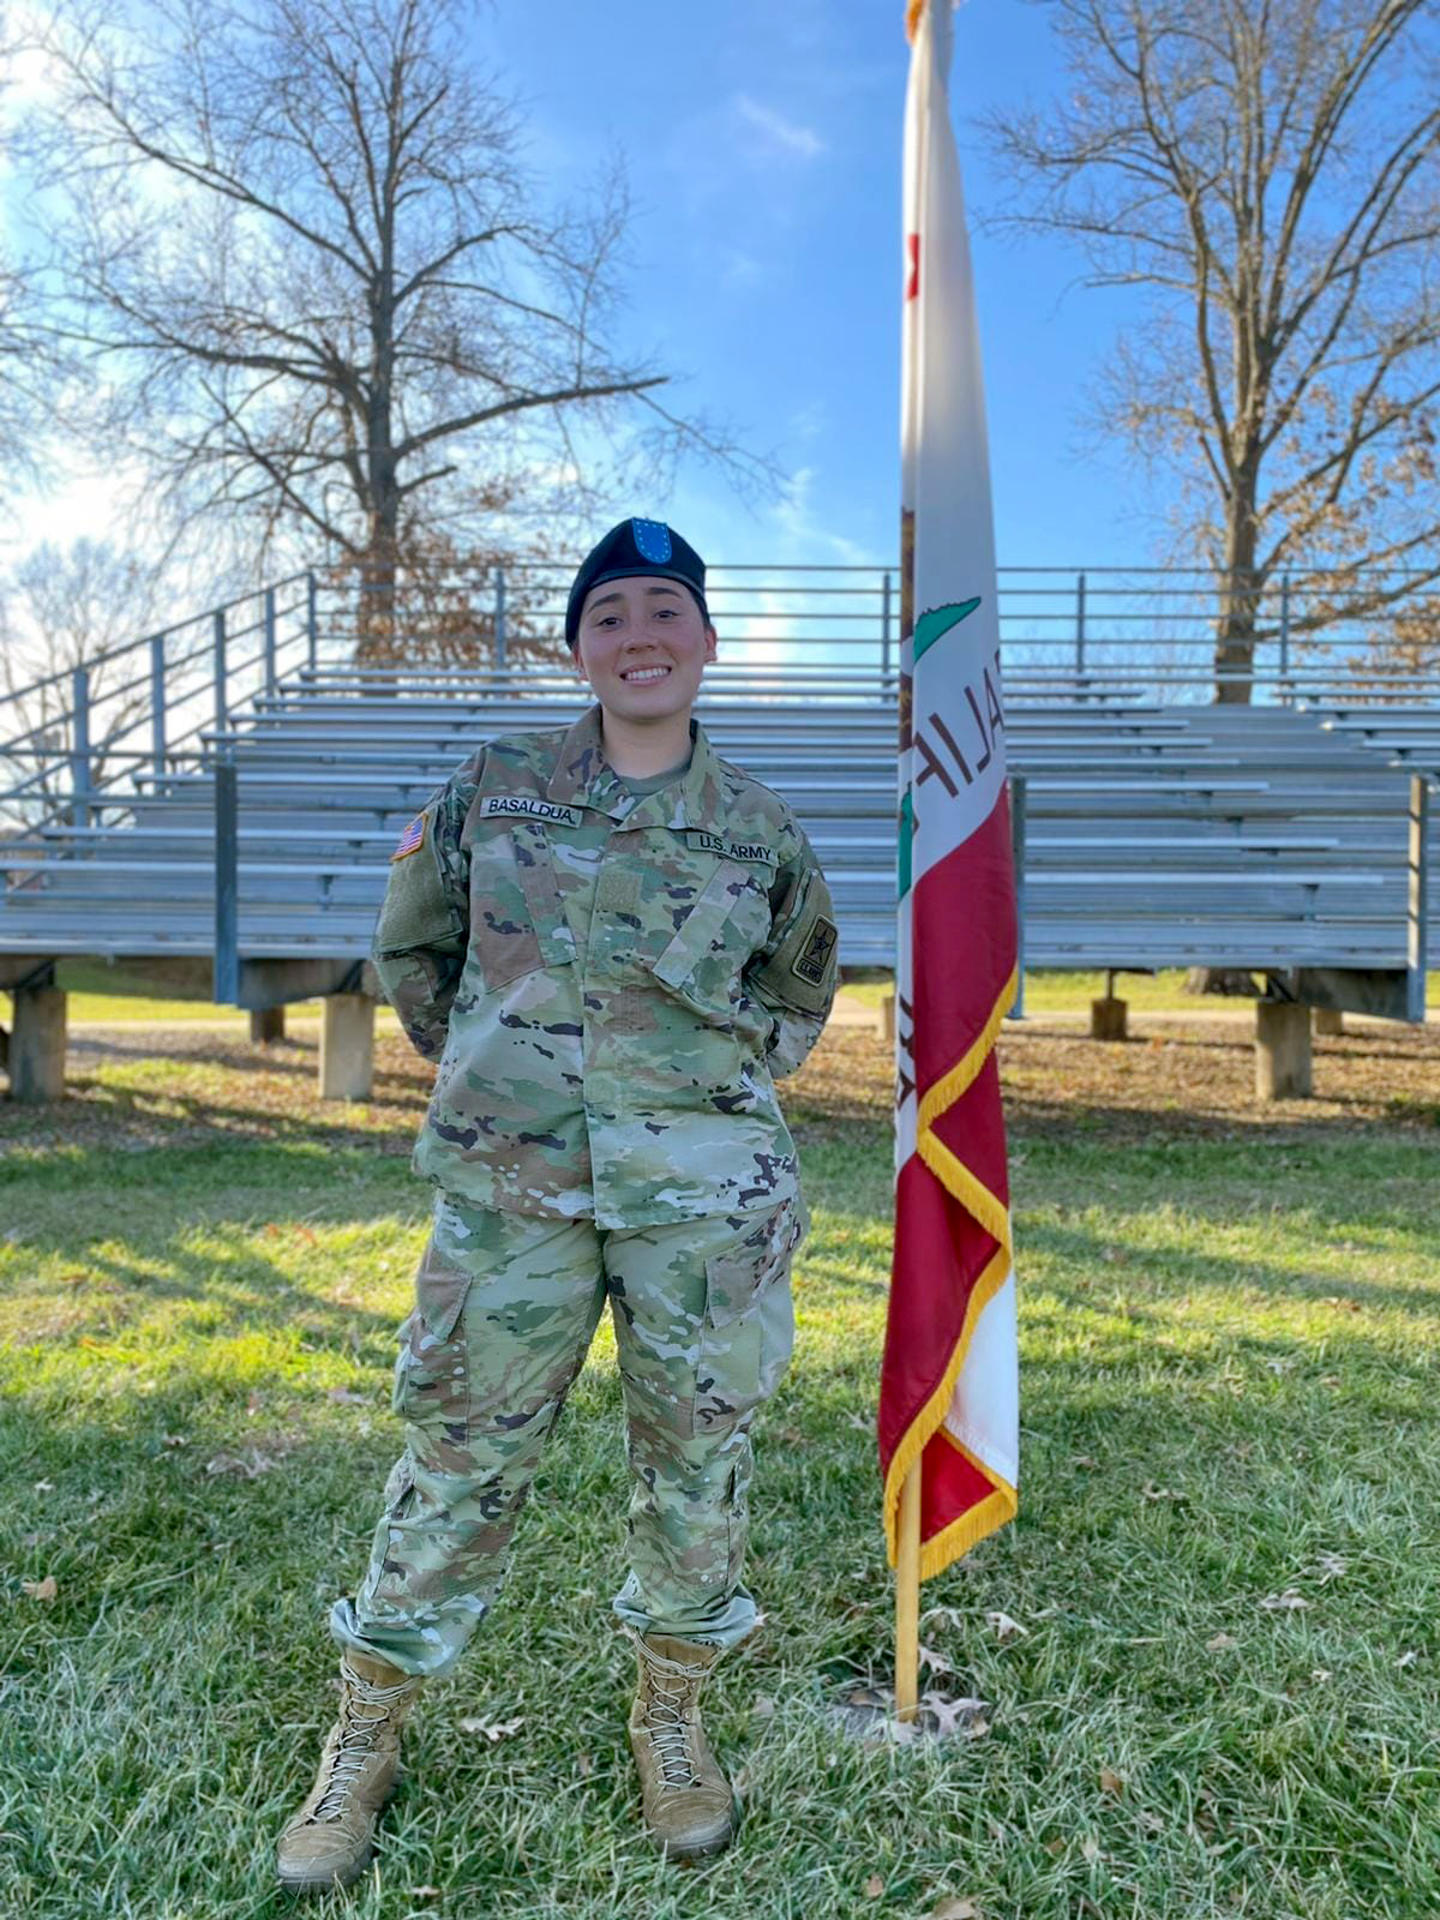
point(583, 777)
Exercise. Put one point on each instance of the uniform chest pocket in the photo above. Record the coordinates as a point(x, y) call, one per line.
point(517, 917)
point(728, 922)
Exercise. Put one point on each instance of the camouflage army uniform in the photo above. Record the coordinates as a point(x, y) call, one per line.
point(610, 980)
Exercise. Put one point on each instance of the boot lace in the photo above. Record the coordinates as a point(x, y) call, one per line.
point(672, 1689)
point(357, 1738)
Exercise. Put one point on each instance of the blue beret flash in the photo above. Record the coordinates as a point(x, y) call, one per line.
point(652, 541)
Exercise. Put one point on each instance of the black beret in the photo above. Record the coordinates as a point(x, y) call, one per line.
point(636, 546)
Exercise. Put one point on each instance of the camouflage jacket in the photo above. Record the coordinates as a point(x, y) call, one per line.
point(609, 981)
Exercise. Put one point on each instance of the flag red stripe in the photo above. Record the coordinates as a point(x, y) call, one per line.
point(962, 957)
point(964, 945)
point(940, 1253)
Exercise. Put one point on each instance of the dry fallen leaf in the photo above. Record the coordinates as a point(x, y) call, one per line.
point(1005, 1627)
point(1407, 1659)
point(1151, 1492)
point(1220, 1642)
point(964, 1716)
point(43, 1486)
point(763, 1707)
point(936, 1660)
point(347, 1397)
point(1055, 1846)
point(955, 1910)
point(952, 1616)
point(1330, 1566)
point(1321, 1674)
point(1288, 1602)
point(1090, 1847)
point(427, 1892)
point(492, 1729)
point(251, 1464)
point(1110, 1781)
point(584, 1766)
point(874, 1887)
point(45, 1589)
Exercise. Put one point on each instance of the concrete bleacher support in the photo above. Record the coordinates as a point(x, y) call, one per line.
point(1329, 1021)
point(1282, 1050)
point(35, 1054)
point(267, 1024)
point(347, 1047)
point(1109, 1018)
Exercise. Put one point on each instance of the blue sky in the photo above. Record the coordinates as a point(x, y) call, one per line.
point(763, 145)
point(762, 140)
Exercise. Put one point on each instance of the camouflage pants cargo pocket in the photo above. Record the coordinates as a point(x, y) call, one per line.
point(432, 1372)
point(747, 1333)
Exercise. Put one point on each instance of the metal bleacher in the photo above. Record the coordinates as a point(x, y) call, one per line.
point(1156, 831)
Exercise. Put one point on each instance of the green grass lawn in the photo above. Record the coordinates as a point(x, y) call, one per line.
point(1222, 1698)
point(1045, 992)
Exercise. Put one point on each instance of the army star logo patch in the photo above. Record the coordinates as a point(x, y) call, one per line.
point(814, 956)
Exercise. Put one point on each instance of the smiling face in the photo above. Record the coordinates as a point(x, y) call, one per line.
point(643, 644)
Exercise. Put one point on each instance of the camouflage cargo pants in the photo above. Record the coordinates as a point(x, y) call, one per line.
point(506, 1306)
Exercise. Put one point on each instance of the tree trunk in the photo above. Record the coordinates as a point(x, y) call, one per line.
point(1240, 592)
point(376, 643)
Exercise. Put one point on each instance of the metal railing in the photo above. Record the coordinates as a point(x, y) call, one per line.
point(1311, 631)
point(79, 742)
point(76, 743)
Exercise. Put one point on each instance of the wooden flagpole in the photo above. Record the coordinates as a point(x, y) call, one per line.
point(907, 1599)
point(907, 1560)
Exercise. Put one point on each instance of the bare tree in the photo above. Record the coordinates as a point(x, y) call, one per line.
point(1266, 171)
point(29, 362)
point(326, 295)
point(65, 609)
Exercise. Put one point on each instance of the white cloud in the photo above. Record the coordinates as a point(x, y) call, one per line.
point(738, 269)
point(778, 135)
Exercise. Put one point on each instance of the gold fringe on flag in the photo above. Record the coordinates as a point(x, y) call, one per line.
point(990, 1210)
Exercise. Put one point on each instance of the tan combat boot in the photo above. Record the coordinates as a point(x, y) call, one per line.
point(330, 1840)
point(685, 1798)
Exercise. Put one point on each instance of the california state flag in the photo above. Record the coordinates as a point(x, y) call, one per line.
point(949, 1394)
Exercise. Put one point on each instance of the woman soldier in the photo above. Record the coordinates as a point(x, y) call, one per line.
point(612, 941)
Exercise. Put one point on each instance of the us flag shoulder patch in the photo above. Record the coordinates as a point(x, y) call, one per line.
point(412, 839)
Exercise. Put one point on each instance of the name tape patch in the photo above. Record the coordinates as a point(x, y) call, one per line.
point(755, 852)
point(532, 807)
point(812, 963)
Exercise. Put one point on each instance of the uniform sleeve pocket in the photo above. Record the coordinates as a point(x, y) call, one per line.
point(418, 911)
point(801, 973)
